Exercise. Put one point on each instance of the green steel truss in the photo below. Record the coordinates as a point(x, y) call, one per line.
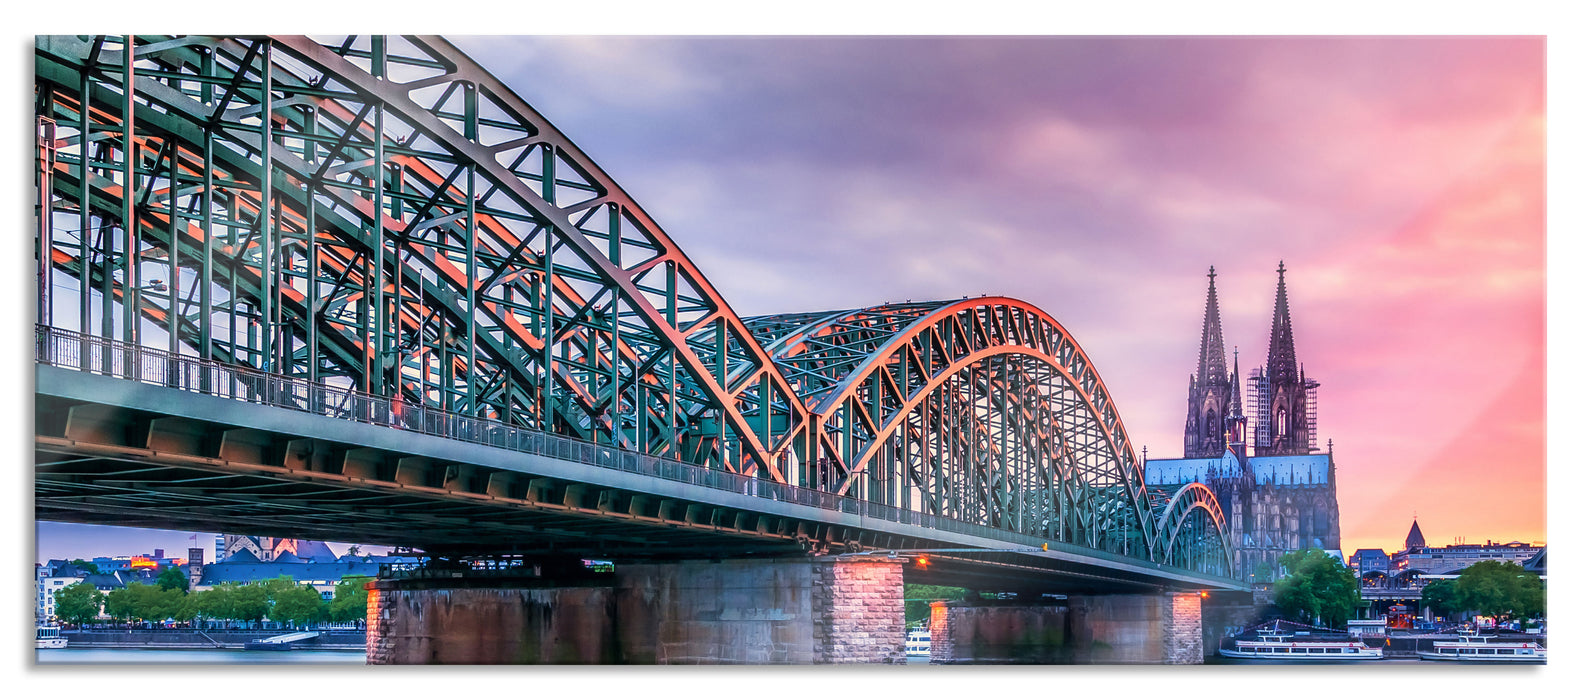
point(420, 232)
point(1196, 537)
point(983, 410)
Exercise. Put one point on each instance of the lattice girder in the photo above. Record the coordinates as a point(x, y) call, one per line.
point(440, 203)
point(866, 372)
point(1193, 533)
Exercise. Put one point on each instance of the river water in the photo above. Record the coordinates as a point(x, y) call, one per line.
point(197, 656)
point(355, 658)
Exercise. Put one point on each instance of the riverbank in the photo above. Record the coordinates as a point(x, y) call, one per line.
point(328, 640)
point(1398, 645)
point(193, 657)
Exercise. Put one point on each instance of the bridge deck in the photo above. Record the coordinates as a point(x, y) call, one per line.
point(118, 451)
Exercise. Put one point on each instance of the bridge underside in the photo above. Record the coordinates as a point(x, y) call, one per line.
point(116, 452)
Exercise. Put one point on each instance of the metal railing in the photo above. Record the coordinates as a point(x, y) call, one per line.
point(63, 348)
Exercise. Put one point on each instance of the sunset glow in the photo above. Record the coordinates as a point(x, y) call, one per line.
point(1400, 179)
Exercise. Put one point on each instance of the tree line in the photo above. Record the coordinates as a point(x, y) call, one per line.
point(1318, 586)
point(1497, 589)
point(280, 599)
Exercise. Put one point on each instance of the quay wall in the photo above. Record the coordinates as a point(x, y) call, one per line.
point(329, 640)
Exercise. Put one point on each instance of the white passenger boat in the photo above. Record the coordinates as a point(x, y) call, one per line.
point(49, 638)
point(1275, 646)
point(1481, 649)
point(919, 642)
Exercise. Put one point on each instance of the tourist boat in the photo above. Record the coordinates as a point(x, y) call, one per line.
point(1279, 647)
point(49, 638)
point(919, 642)
point(1479, 648)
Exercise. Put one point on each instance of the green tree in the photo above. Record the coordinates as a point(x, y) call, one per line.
point(351, 599)
point(1440, 597)
point(78, 603)
point(249, 603)
point(298, 605)
point(172, 578)
point(142, 602)
point(216, 603)
point(919, 597)
point(121, 604)
point(1502, 590)
point(1317, 586)
point(277, 585)
point(86, 567)
point(190, 608)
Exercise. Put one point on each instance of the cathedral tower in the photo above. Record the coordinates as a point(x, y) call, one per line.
point(1210, 392)
point(1287, 402)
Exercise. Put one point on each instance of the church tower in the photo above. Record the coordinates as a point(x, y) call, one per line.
point(1235, 422)
point(1287, 402)
point(1210, 392)
point(1415, 538)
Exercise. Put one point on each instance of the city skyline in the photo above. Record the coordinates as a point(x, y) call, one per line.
point(1099, 178)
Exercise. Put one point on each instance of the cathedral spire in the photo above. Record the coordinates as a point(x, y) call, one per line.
point(1234, 408)
point(1211, 354)
point(1207, 394)
point(1282, 366)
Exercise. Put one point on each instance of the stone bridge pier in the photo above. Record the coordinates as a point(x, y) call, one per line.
point(799, 610)
point(1160, 628)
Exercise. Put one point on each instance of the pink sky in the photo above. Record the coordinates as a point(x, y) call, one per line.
point(1400, 179)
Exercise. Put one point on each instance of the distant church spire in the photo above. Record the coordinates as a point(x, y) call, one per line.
point(1235, 421)
point(1415, 537)
point(1235, 384)
point(1211, 353)
point(1282, 365)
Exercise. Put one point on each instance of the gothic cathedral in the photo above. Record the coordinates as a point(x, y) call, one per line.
point(1277, 491)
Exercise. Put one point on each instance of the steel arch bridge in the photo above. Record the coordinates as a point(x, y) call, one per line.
point(381, 214)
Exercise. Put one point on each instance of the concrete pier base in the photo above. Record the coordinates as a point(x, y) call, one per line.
point(770, 611)
point(1105, 629)
point(489, 622)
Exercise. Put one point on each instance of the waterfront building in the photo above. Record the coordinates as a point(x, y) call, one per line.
point(1276, 490)
point(322, 576)
point(1364, 561)
point(112, 581)
point(266, 549)
point(48, 584)
point(1395, 582)
point(1539, 563)
point(59, 573)
point(1417, 557)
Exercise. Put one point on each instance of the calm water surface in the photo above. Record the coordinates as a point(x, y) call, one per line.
point(197, 656)
point(356, 658)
